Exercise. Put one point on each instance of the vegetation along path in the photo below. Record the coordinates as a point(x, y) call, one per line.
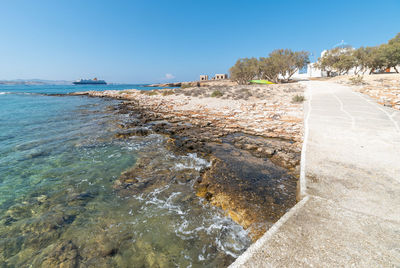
point(350, 211)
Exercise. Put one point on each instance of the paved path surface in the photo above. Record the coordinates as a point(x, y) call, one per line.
point(350, 211)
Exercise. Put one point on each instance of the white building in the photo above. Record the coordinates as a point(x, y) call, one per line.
point(220, 76)
point(311, 71)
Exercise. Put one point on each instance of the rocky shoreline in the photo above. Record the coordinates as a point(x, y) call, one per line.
point(225, 82)
point(250, 135)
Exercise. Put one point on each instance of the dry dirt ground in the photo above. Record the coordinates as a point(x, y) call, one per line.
point(384, 88)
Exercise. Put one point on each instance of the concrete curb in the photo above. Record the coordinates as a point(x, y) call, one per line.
point(239, 262)
point(302, 190)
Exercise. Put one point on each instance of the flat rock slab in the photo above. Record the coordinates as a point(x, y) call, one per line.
point(351, 212)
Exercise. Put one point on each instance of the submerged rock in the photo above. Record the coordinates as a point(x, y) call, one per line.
point(64, 254)
point(253, 191)
point(132, 132)
point(251, 177)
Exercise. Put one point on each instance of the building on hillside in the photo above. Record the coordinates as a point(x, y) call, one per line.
point(203, 77)
point(220, 76)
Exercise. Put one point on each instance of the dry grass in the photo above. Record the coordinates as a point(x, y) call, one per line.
point(298, 98)
point(217, 94)
point(167, 92)
point(149, 92)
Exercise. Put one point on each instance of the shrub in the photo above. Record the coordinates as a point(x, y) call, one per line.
point(167, 92)
point(356, 80)
point(149, 92)
point(196, 93)
point(217, 94)
point(124, 91)
point(298, 98)
point(185, 86)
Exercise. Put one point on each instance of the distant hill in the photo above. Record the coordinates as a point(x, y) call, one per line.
point(34, 82)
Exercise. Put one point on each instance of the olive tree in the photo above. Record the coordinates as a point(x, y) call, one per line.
point(244, 70)
point(380, 57)
point(337, 60)
point(391, 52)
point(280, 65)
point(327, 62)
point(289, 62)
point(346, 62)
point(361, 56)
point(376, 59)
point(269, 69)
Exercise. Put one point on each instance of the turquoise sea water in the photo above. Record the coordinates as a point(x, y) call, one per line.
point(59, 162)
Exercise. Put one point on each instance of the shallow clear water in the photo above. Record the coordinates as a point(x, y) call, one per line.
point(59, 162)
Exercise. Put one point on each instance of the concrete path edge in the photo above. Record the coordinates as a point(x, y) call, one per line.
point(302, 195)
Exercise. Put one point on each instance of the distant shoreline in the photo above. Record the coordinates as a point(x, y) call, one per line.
point(224, 82)
point(34, 82)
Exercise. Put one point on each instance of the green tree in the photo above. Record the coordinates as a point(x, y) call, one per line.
point(280, 65)
point(375, 59)
point(289, 62)
point(337, 60)
point(244, 70)
point(327, 62)
point(346, 61)
point(391, 52)
point(395, 40)
point(268, 69)
point(361, 56)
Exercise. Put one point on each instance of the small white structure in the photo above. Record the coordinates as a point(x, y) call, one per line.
point(220, 76)
point(203, 77)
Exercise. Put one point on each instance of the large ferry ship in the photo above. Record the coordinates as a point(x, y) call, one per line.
point(93, 81)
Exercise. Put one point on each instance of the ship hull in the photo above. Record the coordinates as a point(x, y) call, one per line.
point(89, 83)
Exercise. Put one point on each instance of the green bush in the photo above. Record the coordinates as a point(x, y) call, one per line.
point(298, 98)
point(356, 80)
point(216, 94)
point(185, 86)
point(124, 91)
point(149, 92)
point(167, 92)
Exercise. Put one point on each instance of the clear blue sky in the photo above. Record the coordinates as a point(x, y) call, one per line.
point(147, 41)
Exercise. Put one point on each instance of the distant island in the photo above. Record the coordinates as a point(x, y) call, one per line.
point(34, 82)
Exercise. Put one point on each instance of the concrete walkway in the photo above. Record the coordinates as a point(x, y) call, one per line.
point(350, 211)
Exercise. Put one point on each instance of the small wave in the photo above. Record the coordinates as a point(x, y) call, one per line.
point(228, 237)
point(3, 93)
point(192, 161)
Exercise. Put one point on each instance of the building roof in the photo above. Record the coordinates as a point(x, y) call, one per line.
point(342, 44)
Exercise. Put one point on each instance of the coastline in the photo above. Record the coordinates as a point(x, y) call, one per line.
point(251, 135)
point(206, 83)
